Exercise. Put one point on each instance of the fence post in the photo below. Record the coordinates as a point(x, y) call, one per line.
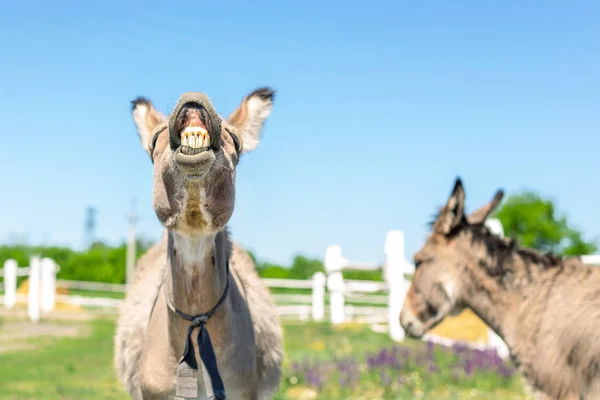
point(318, 296)
point(33, 303)
point(394, 275)
point(10, 283)
point(48, 275)
point(335, 283)
point(495, 225)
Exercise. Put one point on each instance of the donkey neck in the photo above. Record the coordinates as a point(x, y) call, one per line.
point(492, 303)
point(197, 271)
point(498, 286)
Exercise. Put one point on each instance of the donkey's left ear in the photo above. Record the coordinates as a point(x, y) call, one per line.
point(146, 118)
point(453, 212)
point(249, 118)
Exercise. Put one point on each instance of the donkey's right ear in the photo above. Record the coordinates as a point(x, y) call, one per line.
point(479, 216)
point(146, 118)
point(452, 213)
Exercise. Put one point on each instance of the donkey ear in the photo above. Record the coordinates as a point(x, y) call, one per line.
point(248, 119)
point(479, 216)
point(452, 213)
point(146, 118)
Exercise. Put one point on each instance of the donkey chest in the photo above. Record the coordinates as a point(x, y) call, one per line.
point(236, 359)
point(159, 381)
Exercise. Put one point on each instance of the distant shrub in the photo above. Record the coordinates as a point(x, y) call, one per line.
point(100, 263)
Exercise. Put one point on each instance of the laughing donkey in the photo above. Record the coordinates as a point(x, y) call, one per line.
point(198, 322)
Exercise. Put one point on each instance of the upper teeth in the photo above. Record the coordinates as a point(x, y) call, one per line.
point(195, 137)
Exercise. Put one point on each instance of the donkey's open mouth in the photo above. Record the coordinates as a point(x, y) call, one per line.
point(194, 125)
point(194, 140)
point(192, 136)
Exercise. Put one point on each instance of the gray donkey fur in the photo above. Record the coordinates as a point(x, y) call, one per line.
point(545, 307)
point(193, 197)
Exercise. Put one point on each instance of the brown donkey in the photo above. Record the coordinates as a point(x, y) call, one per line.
point(198, 322)
point(546, 308)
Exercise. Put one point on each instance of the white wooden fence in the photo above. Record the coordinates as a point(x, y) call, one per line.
point(42, 297)
point(374, 302)
point(42, 280)
point(384, 299)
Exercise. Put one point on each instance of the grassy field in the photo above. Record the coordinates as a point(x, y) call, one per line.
point(322, 362)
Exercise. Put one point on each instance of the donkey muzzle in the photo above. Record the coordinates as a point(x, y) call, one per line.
point(194, 125)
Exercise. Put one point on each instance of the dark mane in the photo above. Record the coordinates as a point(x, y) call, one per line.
point(504, 248)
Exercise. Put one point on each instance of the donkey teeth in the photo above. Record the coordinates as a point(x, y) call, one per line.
point(194, 130)
point(205, 140)
point(195, 137)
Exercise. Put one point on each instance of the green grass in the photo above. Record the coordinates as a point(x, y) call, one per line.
point(81, 368)
point(63, 368)
point(324, 341)
point(97, 293)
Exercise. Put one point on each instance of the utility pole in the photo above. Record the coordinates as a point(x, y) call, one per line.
point(89, 229)
point(131, 244)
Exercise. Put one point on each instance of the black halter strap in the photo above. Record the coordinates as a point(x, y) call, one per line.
point(216, 390)
point(154, 139)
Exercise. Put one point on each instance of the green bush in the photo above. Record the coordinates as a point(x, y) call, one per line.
point(103, 263)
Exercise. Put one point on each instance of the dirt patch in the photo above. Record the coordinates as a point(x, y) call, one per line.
point(14, 330)
point(18, 333)
point(7, 348)
point(19, 312)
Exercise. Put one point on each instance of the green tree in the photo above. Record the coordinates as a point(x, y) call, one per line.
point(268, 270)
point(304, 268)
point(534, 222)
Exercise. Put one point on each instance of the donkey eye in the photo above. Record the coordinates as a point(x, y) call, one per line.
point(431, 309)
point(421, 261)
point(154, 139)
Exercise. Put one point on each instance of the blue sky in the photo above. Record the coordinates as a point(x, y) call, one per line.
point(379, 107)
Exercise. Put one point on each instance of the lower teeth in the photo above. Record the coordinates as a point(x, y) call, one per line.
point(187, 150)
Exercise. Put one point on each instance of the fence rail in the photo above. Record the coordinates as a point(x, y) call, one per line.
point(119, 287)
point(88, 301)
point(288, 283)
point(95, 286)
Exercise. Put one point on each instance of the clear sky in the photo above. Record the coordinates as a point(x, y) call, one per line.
point(380, 105)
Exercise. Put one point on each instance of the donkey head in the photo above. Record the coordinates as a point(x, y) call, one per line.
point(195, 154)
point(442, 265)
